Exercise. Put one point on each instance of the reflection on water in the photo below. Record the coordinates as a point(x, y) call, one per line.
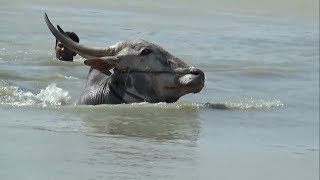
point(127, 158)
point(155, 121)
point(140, 140)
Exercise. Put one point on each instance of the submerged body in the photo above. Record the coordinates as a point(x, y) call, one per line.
point(142, 72)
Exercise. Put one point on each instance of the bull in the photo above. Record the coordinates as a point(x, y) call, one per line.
point(132, 71)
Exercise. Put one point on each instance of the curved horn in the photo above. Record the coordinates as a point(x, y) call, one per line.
point(79, 48)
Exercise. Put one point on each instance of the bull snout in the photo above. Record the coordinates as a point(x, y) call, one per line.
point(197, 76)
point(191, 77)
point(197, 73)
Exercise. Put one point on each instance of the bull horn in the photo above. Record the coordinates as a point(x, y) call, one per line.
point(79, 48)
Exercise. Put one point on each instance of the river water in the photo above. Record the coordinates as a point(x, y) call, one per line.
point(256, 118)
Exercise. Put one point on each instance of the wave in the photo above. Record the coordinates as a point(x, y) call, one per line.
point(245, 104)
point(54, 76)
point(50, 96)
point(53, 96)
point(78, 61)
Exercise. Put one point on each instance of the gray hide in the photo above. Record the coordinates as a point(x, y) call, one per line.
point(142, 72)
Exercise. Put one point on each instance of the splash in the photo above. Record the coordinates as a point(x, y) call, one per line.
point(242, 104)
point(11, 95)
point(51, 96)
point(246, 104)
point(55, 96)
point(234, 104)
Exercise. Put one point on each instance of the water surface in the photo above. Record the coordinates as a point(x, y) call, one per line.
point(256, 118)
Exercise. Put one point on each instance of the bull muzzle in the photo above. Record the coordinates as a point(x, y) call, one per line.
point(192, 77)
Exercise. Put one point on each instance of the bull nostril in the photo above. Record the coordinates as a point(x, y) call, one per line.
point(196, 72)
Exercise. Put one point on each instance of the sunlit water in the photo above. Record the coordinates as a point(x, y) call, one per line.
point(256, 118)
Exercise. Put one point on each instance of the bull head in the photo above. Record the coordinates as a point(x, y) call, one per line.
point(147, 70)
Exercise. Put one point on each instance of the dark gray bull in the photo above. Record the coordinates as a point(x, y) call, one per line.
point(142, 72)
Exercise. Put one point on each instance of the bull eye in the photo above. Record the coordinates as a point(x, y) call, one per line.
point(145, 52)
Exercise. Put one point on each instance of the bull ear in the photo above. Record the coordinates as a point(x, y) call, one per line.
point(103, 64)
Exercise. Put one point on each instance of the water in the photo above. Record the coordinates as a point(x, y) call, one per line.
point(256, 118)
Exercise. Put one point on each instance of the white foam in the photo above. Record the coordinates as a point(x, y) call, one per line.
point(247, 104)
point(51, 96)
